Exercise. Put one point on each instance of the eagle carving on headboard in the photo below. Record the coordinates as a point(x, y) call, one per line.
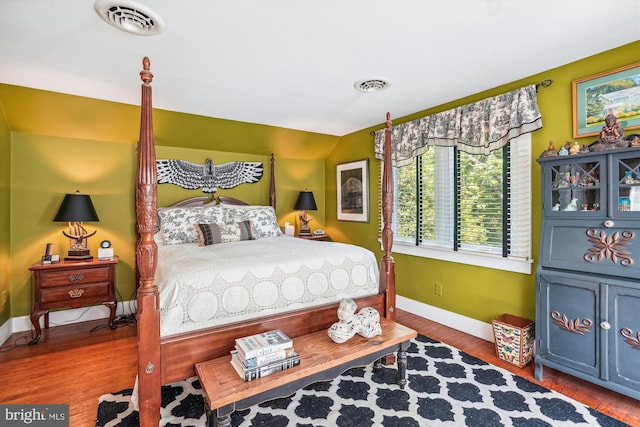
point(209, 177)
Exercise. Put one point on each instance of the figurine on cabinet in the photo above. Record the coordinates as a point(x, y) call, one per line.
point(572, 206)
point(574, 149)
point(611, 131)
point(550, 151)
point(611, 136)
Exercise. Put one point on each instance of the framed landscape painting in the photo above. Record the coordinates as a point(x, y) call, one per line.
point(352, 182)
point(615, 91)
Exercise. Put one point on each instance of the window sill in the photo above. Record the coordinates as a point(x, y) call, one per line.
point(462, 257)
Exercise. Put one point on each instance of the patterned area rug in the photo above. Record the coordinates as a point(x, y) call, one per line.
point(447, 387)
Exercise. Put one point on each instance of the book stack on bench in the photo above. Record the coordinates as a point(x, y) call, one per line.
point(262, 354)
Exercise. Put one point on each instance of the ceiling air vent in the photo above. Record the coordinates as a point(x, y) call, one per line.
point(372, 85)
point(130, 16)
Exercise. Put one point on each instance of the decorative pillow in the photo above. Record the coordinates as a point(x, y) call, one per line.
point(263, 219)
point(157, 236)
point(211, 234)
point(177, 223)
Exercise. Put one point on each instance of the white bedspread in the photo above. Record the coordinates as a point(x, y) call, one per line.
point(204, 286)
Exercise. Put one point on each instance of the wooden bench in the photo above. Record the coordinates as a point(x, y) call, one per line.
point(321, 360)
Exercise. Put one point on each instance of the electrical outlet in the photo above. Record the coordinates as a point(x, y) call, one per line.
point(439, 289)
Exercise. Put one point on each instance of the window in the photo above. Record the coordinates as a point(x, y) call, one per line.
point(473, 209)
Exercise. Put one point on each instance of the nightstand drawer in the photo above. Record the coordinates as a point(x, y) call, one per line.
point(78, 276)
point(70, 294)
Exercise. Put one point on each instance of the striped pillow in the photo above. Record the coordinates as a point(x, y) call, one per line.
point(211, 234)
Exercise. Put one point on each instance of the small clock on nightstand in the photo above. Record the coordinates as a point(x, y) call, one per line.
point(106, 251)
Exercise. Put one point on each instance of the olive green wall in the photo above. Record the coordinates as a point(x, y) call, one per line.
point(475, 292)
point(5, 225)
point(59, 143)
point(40, 112)
point(44, 168)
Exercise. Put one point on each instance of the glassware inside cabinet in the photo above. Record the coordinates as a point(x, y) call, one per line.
point(629, 184)
point(576, 187)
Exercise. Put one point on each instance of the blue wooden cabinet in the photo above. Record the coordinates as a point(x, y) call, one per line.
point(588, 275)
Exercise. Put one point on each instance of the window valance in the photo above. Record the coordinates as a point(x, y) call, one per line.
point(476, 128)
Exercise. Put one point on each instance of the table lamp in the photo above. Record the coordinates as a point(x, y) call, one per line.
point(75, 209)
point(305, 202)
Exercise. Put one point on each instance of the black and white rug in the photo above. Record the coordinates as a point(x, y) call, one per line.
point(447, 387)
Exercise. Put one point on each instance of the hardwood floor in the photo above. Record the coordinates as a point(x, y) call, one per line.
point(74, 366)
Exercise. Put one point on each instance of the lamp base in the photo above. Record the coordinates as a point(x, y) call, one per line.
point(78, 255)
point(305, 230)
point(78, 258)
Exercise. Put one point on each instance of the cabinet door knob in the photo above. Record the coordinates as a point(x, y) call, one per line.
point(605, 325)
point(608, 223)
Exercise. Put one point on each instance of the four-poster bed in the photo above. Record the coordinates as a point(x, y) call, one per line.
point(166, 358)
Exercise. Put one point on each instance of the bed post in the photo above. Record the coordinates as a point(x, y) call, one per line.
point(272, 184)
point(387, 267)
point(146, 258)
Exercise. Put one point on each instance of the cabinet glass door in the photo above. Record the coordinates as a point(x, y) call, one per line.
point(626, 184)
point(575, 187)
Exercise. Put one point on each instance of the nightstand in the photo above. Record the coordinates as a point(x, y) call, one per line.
point(72, 285)
point(319, 237)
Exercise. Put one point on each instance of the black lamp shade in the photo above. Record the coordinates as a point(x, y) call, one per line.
point(306, 202)
point(76, 207)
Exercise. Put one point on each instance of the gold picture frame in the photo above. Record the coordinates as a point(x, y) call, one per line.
point(616, 91)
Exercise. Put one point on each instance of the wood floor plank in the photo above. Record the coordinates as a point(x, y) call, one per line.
point(75, 366)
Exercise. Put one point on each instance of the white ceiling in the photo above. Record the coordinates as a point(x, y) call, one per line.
point(293, 63)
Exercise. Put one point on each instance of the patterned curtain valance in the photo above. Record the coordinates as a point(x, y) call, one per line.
point(476, 128)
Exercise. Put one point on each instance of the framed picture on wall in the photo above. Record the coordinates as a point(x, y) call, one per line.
point(352, 182)
point(615, 91)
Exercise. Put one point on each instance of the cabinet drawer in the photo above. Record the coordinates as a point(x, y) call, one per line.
point(71, 277)
point(72, 294)
point(592, 248)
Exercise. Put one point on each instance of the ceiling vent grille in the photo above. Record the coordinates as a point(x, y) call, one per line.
point(129, 16)
point(372, 85)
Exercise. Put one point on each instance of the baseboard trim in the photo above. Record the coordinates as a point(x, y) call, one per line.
point(64, 317)
point(448, 318)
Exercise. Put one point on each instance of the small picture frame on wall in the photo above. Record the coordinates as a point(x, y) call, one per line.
point(616, 91)
point(352, 183)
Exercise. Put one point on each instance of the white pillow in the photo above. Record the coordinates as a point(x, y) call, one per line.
point(157, 236)
point(177, 224)
point(263, 219)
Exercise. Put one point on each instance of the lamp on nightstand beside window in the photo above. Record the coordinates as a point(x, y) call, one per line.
point(306, 202)
point(75, 209)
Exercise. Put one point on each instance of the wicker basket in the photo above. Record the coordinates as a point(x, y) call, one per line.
point(514, 339)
